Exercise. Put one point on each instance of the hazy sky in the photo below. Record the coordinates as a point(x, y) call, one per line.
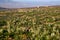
point(27, 3)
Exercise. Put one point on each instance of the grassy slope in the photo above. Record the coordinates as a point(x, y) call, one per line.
point(31, 24)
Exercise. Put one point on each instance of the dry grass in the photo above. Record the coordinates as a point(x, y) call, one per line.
point(37, 24)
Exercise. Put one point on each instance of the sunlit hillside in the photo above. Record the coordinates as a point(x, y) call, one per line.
point(39, 23)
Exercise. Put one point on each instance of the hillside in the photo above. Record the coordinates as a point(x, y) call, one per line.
point(37, 23)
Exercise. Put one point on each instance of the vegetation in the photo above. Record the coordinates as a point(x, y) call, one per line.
point(37, 24)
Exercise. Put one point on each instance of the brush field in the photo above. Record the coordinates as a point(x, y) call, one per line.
point(30, 24)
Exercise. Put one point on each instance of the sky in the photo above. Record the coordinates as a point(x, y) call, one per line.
point(27, 3)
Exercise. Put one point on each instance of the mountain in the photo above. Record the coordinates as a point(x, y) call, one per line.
point(2, 8)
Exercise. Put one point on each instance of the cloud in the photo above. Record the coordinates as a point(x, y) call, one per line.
point(34, 0)
point(26, 3)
